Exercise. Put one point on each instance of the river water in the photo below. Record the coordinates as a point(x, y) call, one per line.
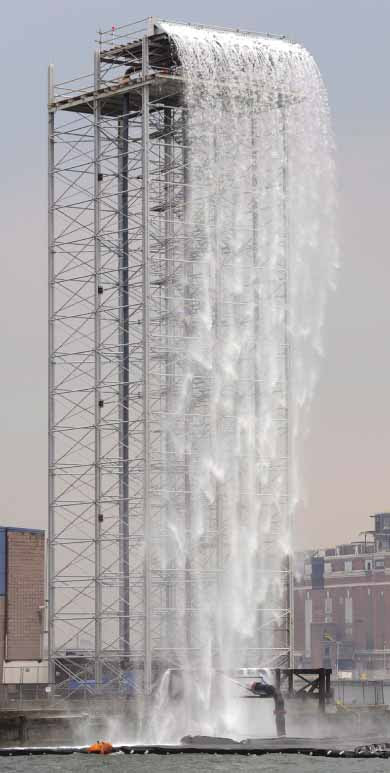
point(207, 763)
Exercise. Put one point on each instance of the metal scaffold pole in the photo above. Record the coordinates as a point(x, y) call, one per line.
point(146, 365)
point(256, 304)
point(99, 289)
point(170, 596)
point(286, 221)
point(217, 423)
point(123, 222)
point(187, 328)
point(51, 416)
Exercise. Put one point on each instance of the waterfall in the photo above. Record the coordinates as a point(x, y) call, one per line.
point(257, 262)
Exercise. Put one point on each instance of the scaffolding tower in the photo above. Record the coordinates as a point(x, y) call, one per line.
point(118, 182)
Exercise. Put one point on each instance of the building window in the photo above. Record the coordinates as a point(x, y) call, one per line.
point(348, 611)
point(328, 606)
point(368, 566)
point(328, 610)
point(379, 563)
point(308, 622)
point(348, 566)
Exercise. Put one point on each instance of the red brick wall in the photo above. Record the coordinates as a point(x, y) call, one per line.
point(370, 627)
point(25, 594)
point(2, 630)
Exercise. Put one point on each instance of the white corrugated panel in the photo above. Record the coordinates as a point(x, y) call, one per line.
point(25, 672)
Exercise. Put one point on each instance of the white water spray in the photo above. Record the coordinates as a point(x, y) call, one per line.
point(259, 204)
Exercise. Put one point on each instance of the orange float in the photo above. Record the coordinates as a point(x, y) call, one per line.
point(100, 747)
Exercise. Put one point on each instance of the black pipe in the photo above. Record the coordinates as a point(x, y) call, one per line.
point(264, 690)
point(243, 749)
point(280, 713)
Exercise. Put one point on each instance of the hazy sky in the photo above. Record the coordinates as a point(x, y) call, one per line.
point(347, 469)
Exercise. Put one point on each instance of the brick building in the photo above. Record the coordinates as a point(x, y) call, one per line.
point(22, 594)
point(342, 604)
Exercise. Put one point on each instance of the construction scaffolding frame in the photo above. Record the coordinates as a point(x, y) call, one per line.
point(118, 183)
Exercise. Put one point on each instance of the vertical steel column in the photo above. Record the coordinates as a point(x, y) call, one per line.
point(51, 417)
point(255, 260)
point(321, 689)
point(286, 223)
point(97, 337)
point(170, 597)
point(188, 312)
point(146, 364)
point(218, 331)
point(123, 223)
point(218, 428)
point(328, 672)
point(291, 640)
point(256, 321)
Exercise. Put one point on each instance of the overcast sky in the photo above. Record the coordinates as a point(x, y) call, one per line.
point(347, 466)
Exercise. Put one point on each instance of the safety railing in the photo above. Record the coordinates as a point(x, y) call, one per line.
point(126, 33)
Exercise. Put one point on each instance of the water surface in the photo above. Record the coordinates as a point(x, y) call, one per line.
point(207, 763)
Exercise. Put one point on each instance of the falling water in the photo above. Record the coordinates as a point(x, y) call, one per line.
point(258, 263)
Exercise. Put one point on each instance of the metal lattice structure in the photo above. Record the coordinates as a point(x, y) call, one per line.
point(118, 181)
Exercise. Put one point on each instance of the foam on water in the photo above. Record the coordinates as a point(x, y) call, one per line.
point(259, 219)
